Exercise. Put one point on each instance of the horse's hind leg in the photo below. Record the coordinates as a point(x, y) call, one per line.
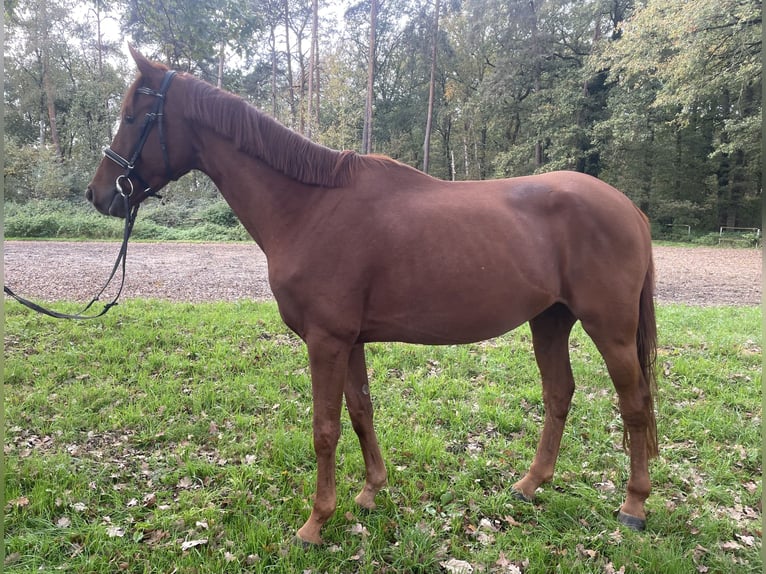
point(359, 406)
point(550, 337)
point(636, 407)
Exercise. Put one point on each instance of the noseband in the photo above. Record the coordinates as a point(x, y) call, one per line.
point(123, 182)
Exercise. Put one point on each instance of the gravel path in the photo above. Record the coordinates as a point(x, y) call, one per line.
point(195, 272)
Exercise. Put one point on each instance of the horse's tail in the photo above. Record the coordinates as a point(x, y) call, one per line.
point(646, 341)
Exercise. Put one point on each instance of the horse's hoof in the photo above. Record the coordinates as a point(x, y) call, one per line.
point(304, 544)
point(518, 495)
point(365, 502)
point(632, 522)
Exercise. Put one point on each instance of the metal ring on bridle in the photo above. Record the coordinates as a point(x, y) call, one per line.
point(118, 182)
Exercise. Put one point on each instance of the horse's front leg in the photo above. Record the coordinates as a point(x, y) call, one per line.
point(359, 405)
point(329, 365)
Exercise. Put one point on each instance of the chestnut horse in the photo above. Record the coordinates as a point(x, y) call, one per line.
point(363, 248)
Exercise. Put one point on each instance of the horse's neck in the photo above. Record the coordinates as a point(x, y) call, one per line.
point(264, 200)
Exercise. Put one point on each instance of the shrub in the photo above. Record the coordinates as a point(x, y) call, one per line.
point(707, 239)
point(220, 214)
point(58, 219)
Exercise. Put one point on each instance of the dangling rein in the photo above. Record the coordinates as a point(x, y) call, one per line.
point(130, 219)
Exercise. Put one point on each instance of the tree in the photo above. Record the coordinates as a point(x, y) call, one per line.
point(367, 132)
point(41, 37)
point(59, 104)
point(431, 88)
point(193, 35)
point(313, 69)
point(691, 71)
point(660, 98)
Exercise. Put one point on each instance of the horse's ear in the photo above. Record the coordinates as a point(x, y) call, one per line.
point(145, 66)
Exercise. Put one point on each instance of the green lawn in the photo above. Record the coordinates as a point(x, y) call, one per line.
point(176, 438)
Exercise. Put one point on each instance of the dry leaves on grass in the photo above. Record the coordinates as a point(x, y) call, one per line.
point(189, 544)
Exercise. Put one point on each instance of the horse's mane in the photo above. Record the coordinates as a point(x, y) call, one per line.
point(260, 136)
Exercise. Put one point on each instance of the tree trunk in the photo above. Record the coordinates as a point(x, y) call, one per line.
point(100, 49)
point(431, 89)
point(221, 57)
point(48, 89)
point(293, 118)
point(313, 57)
point(273, 40)
point(367, 132)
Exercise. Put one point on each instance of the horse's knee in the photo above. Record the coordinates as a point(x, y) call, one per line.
point(326, 436)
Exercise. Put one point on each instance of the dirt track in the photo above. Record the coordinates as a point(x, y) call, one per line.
point(194, 272)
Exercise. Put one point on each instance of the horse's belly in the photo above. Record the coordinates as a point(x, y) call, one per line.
point(438, 318)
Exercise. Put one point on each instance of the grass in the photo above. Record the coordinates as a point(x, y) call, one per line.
point(176, 438)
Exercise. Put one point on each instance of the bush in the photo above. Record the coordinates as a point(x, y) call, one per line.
point(58, 219)
point(212, 232)
point(182, 221)
point(34, 225)
point(220, 214)
point(707, 239)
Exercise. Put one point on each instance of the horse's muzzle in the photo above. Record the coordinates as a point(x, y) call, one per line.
point(114, 206)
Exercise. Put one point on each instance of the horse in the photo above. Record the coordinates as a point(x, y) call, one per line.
point(362, 248)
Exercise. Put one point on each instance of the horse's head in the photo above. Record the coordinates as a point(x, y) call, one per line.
point(151, 147)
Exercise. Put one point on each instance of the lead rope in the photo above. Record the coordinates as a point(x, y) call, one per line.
point(130, 219)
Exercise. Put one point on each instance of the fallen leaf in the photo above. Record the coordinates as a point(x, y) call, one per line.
point(606, 486)
point(746, 539)
point(455, 566)
point(484, 538)
point(507, 566)
point(12, 558)
point(185, 482)
point(358, 556)
point(586, 552)
point(154, 537)
point(750, 486)
point(63, 522)
point(20, 502)
point(616, 536)
point(359, 530)
point(187, 544)
point(115, 532)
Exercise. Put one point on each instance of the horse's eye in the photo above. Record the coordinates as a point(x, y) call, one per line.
point(128, 119)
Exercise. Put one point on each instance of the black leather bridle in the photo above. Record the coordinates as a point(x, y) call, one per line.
point(129, 165)
point(124, 186)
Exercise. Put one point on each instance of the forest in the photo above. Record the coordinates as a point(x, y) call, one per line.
point(660, 98)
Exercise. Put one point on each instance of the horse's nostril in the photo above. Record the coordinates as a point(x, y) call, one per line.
point(89, 195)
